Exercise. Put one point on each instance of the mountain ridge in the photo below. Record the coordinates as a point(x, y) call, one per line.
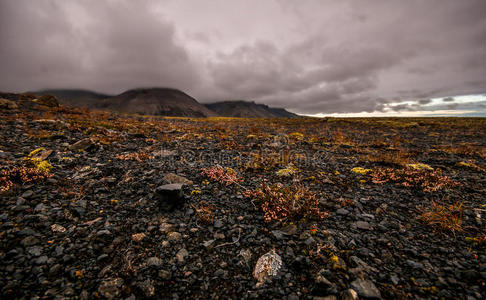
point(163, 101)
point(247, 109)
point(75, 97)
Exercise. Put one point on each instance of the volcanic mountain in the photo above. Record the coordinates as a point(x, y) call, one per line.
point(157, 101)
point(247, 109)
point(163, 101)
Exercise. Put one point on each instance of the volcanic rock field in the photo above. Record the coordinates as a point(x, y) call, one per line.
point(103, 205)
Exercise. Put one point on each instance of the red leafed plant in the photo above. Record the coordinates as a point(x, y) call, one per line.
point(227, 176)
point(20, 175)
point(138, 156)
point(280, 202)
point(429, 181)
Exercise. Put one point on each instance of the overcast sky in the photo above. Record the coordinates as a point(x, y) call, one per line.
point(309, 56)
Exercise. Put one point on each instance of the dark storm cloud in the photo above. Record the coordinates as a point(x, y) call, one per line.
point(452, 106)
point(404, 107)
point(399, 40)
point(424, 101)
point(101, 45)
point(309, 56)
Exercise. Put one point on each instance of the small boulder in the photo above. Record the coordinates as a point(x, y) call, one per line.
point(138, 237)
point(83, 144)
point(111, 288)
point(363, 225)
point(169, 196)
point(29, 241)
point(154, 262)
point(181, 255)
point(349, 294)
point(174, 236)
point(166, 227)
point(366, 289)
point(267, 267)
point(58, 228)
point(174, 178)
point(42, 154)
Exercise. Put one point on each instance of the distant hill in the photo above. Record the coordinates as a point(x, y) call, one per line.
point(165, 102)
point(81, 98)
point(247, 109)
point(156, 101)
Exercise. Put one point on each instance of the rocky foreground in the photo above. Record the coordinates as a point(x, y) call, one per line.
point(96, 205)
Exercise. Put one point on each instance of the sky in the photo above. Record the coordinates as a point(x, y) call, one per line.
point(313, 57)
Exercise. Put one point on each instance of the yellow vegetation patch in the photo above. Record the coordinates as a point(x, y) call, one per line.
point(297, 135)
point(223, 118)
point(334, 258)
point(465, 164)
point(287, 172)
point(195, 192)
point(470, 165)
point(359, 170)
point(41, 165)
point(36, 151)
point(420, 166)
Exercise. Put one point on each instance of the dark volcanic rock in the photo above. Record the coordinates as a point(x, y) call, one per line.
point(174, 178)
point(93, 228)
point(83, 144)
point(169, 196)
point(366, 289)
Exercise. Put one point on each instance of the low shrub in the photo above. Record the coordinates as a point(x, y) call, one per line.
point(227, 176)
point(429, 181)
point(292, 202)
point(20, 175)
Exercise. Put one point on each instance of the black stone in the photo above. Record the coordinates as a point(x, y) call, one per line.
point(169, 196)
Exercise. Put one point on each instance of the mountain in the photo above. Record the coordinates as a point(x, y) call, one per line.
point(163, 101)
point(74, 97)
point(282, 112)
point(156, 101)
point(247, 109)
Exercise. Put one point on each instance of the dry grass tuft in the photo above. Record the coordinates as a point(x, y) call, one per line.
point(205, 212)
point(444, 217)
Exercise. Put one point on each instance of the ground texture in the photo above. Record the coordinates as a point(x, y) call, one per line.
point(381, 208)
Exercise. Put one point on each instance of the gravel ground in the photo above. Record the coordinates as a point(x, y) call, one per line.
point(123, 211)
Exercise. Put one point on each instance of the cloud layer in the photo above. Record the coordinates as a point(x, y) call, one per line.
point(309, 56)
